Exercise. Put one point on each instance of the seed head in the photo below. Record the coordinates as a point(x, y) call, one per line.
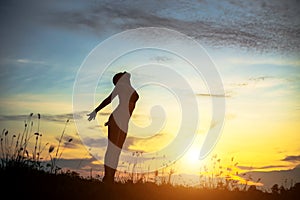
point(51, 148)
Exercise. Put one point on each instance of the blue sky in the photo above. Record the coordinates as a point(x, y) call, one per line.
point(44, 43)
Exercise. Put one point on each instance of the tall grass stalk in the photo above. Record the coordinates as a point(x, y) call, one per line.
point(40, 143)
point(61, 137)
point(27, 134)
point(54, 168)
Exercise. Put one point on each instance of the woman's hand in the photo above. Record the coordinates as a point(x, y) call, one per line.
point(92, 115)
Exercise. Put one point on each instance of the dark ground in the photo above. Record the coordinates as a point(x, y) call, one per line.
point(26, 183)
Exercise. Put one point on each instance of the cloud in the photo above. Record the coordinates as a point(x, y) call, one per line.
point(279, 177)
point(61, 118)
point(292, 158)
point(243, 84)
point(95, 142)
point(58, 118)
point(242, 61)
point(213, 95)
point(148, 144)
point(260, 78)
point(268, 83)
point(262, 26)
point(79, 163)
point(262, 167)
point(161, 58)
point(27, 61)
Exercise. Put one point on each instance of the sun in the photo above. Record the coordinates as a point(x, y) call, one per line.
point(192, 155)
point(190, 161)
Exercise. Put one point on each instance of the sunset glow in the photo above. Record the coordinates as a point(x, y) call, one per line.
point(256, 55)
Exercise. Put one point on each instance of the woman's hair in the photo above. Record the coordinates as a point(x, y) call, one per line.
point(124, 75)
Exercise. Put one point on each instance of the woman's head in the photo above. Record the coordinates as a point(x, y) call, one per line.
point(122, 77)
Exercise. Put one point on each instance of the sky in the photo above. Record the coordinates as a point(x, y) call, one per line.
point(254, 46)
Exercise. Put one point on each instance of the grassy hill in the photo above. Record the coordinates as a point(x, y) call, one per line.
point(26, 182)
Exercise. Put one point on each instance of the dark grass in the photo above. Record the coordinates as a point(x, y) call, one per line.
point(29, 183)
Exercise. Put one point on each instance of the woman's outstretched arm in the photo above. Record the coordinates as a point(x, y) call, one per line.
point(104, 103)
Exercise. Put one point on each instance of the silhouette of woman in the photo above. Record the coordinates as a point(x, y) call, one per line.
point(117, 122)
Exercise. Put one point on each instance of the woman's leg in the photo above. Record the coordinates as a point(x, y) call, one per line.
point(116, 139)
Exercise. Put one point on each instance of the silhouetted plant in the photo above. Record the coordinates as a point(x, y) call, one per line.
point(15, 152)
point(54, 159)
